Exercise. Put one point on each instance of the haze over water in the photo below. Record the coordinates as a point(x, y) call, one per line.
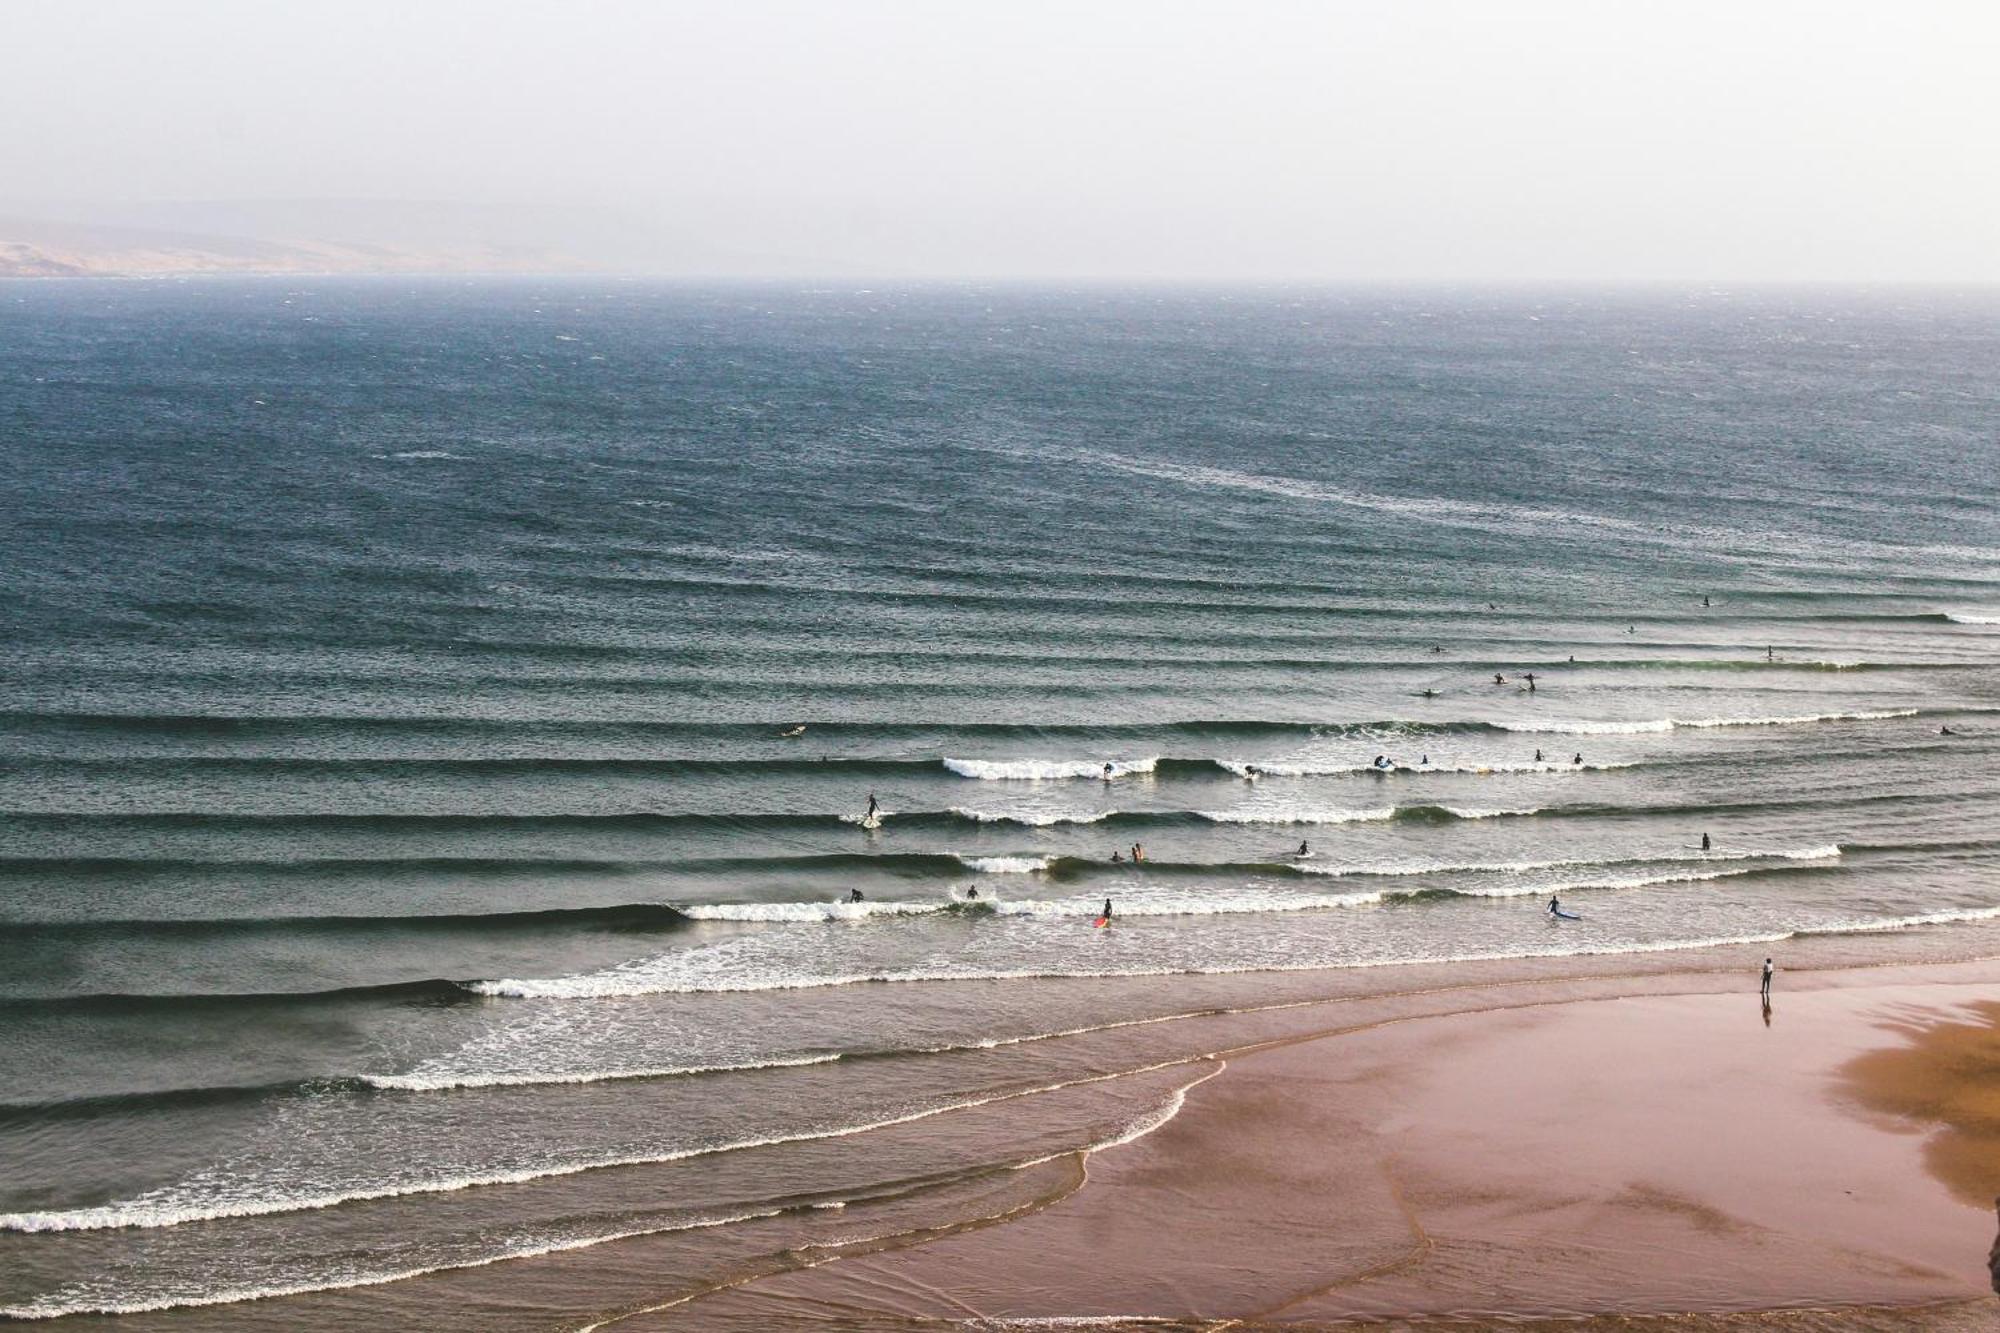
point(405, 866)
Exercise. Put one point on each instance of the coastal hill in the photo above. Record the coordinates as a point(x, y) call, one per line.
point(45, 249)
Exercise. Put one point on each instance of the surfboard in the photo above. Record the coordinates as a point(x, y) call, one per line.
point(871, 821)
point(1561, 915)
point(1102, 922)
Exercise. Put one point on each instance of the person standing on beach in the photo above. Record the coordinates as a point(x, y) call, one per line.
point(1765, 993)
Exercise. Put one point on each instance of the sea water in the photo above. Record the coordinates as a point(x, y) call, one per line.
point(439, 719)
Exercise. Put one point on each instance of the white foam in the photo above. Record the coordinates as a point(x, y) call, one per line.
point(1047, 770)
point(1181, 902)
point(1028, 818)
point(1973, 617)
point(154, 1210)
point(834, 911)
point(441, 1079)
point(53, 1306)
point(1005, 865)
point(1823, 852)
point(1942, 918)
point(1674, 723)
point(1295, 815)
point(1306, 768)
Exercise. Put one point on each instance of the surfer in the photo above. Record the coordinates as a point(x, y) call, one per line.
point(1705, 602)
point(1538, 756)
point(1499, 679)
point(1704, 842)
point(1437, 647)
point(1430, 694)
point(1579, 758)
point(1304, 850)
point(1250, 773)
point(1424, 762)
point(1107, 770)
point(799, 730)
point(972, 893)
point(1530, 678)
point(1107, 912)
point(1116, 859)
point(1946, 731)
point(1770, 654)
point(1765, 991)
point(854, 895)
point(1554, 906)
point(873, 806)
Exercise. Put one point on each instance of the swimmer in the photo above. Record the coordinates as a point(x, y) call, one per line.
point(1117, 859)
point(1578, 759)
point(972, 893)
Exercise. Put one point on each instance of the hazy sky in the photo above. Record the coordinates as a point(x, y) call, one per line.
point(1439, 139)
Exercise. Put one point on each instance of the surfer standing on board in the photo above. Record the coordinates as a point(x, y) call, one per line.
point(873, 806)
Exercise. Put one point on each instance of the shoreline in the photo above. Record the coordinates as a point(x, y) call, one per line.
point(1567, 1156)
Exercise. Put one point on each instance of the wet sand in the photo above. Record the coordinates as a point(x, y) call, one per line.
point(1576, 1151)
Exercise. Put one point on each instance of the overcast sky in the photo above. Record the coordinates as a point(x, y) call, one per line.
point(1400, 139)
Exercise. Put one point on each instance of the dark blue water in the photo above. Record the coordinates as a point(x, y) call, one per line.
point(401, 775)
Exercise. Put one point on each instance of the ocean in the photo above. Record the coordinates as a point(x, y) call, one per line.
point(439, 720)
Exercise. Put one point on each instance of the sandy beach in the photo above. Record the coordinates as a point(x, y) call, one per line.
point(1550, 1152)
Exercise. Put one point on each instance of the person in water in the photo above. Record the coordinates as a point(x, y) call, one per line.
point(1107, 770)
point(1554, 906)
point(1704, 842)
point(1430, 694)
point(1304, 850)
point(1765, 991)
point(1138, 851)
point(1578, 759)
point(1538, 756)
point(854, 895)
point(1499, 679)
point(972, 893)
point(1705, 602)
point(873, 806)
point(1424, 762)
point(1107, 910)
point(1116, 858)
point(1946, 731)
